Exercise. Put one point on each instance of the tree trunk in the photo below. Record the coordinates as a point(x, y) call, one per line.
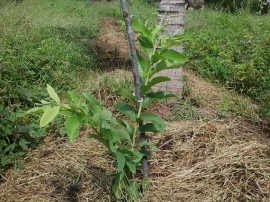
point(172, 13)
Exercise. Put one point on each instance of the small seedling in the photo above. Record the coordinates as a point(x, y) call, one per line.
point(121, 136)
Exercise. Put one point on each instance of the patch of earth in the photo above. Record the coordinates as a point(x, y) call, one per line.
point(110, 46)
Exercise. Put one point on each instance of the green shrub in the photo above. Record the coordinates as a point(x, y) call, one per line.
point(260, 6)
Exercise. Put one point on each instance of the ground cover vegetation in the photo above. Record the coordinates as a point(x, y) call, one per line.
point(41, 42)
point(232, 49)
point(254, 6)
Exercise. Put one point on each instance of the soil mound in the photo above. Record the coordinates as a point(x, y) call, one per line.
point(111, 46)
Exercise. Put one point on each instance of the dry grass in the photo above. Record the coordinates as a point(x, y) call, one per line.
point(196, 161)
point(110, 46)
point(210, 161)
point(215, 99)
point(61, 172)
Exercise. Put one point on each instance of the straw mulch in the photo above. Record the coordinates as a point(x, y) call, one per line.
point(196, 161)
point(210, 161)
point(61, 172)
point(110, 46)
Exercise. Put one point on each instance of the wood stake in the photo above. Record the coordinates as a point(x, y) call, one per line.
point(135, 72)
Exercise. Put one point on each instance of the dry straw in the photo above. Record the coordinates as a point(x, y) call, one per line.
point(196, 161)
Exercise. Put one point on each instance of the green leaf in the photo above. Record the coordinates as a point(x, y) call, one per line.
point(114, 136)
point(154, 81)
point(131, 166)
point(72, 125)
point(157, 96)
point(167, 59)
point(34, 110)
point(48, 116)
point(75, 101)
point(101, 116)
point(19, 153)
point(94, 106)
point(145, 153)
point(145, 182)
point(156, 57)
point(37, 133)
point(112, 148)
point(143, 65)
point(110, 137)
point(157, 29)
point(127, 125)
point(105, 115)
point(105, 130)
point(170, 54)
point(5, 160)
point(165, 64)
point(138, 26)
point(160, 95)
point(153, 123)
point(137, 156)
point(23, 143)
point(169, 41)
point(149, 127)
point(67, 113)
point(71, 96)
point(122, 133)
point(44, 108)
point(100, 139)
point(121, 161)
point(146, 45)
point(116, 188)
point(84, 111)
point(151, 117)
point(126, 93)
point(148, 144)
point(10, 147)
point(52, 94)
point(44, 102)
point(126, 110)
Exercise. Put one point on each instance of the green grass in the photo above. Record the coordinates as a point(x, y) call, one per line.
point(43, 37)
point(42, 42)
point(232, 50)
